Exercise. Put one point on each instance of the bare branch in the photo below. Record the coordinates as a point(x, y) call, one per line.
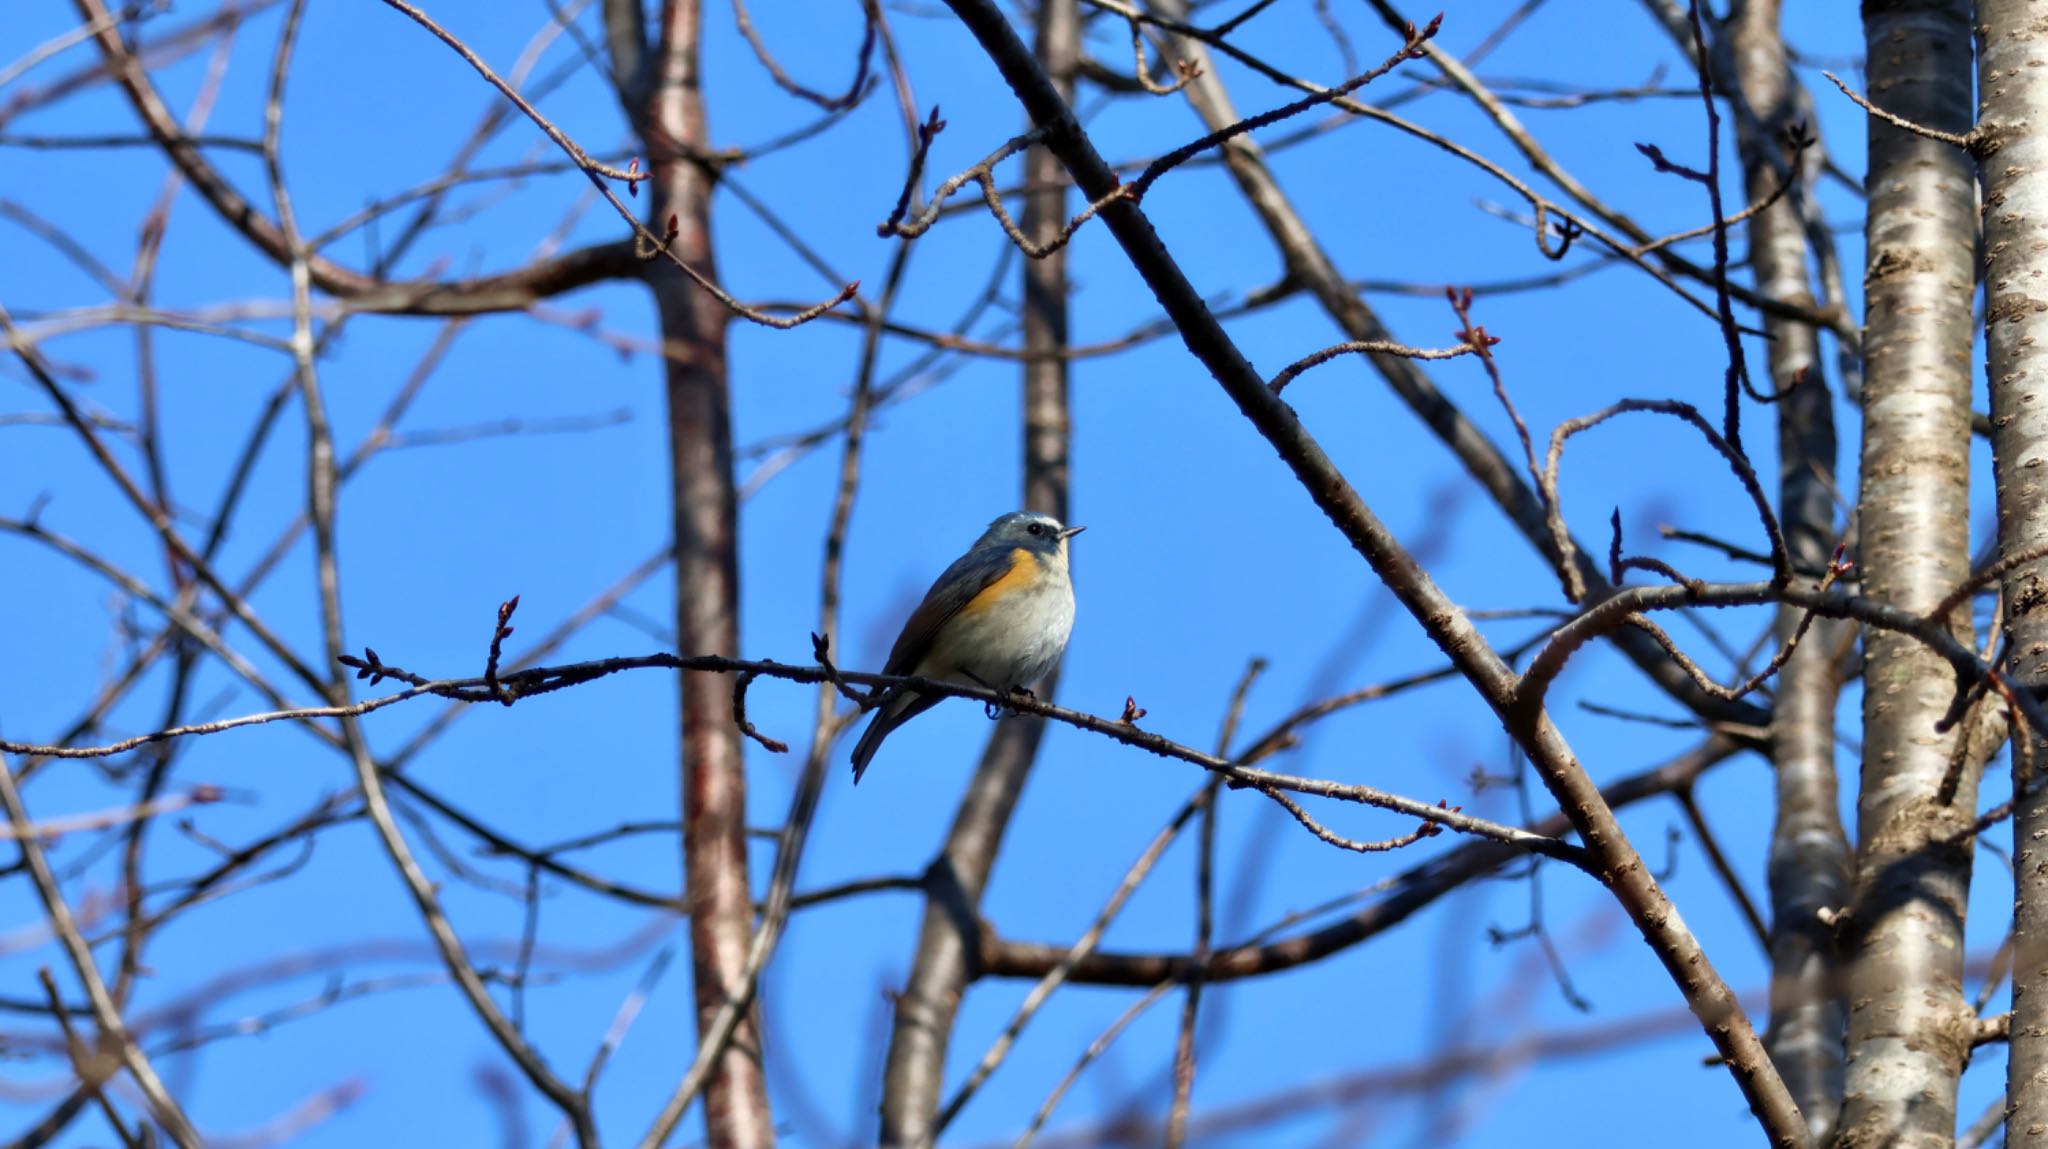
point(1404, 894)
point(1363, 347)
point(162, 1107)
point(1967, 141)
point(1620, 866)
point(1077, 953)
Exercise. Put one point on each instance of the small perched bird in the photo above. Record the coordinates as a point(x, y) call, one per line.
point(999, 617)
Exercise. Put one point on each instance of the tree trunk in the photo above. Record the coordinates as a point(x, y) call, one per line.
point(1909, 1030)
point(949, 940)
point(714, 787)
point(2011, 155)
point(1809, 857)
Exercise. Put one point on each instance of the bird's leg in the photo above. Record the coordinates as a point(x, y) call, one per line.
point(993, 710)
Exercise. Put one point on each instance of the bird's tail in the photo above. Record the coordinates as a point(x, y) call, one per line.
point(888, 717)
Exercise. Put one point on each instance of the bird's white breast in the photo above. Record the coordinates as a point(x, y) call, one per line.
point(1011, 641)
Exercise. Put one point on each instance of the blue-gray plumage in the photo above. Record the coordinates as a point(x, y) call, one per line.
point(998, 617)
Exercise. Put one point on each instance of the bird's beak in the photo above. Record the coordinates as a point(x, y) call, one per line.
point(1070, 532)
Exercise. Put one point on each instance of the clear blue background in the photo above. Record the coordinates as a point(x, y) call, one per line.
point(1201, 555)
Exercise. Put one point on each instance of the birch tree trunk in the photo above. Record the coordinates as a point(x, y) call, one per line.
point(1909, 1027)
point(2011, 155)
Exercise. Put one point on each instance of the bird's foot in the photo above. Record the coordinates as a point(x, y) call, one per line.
point(996, 709)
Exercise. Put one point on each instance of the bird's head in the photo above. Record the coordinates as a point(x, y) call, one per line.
point(1042, 534)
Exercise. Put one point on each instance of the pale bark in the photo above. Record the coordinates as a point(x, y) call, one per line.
point(1809, 855)
point(2013, 166)
point(1909, 1027)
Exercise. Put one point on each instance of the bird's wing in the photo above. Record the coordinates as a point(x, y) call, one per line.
point(962, 583)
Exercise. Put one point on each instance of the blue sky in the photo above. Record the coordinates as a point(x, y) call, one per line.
point(1201, 555)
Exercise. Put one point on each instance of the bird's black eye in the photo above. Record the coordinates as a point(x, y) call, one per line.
point(1036, 529)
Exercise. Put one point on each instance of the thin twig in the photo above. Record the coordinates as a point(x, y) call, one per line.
point(1738, 462)
point(1094, 1050)
point(983, 173)
point(1057, 976)
point(1964, 140)
point(854, 91)
point(91, 1075)
point(650, 244)
point(1711, 846)
point(1363, 347)
point(113, 1031)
